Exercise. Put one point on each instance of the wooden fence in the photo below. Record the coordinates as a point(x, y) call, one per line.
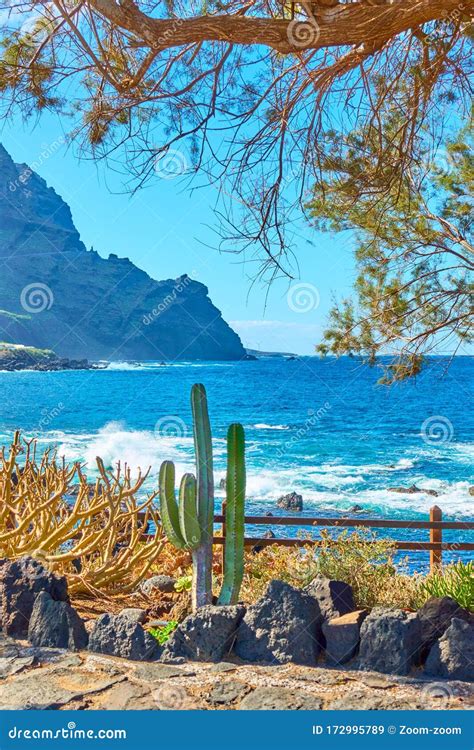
point(435, 525)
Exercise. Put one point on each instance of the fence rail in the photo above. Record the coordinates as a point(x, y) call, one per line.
point(434, 545)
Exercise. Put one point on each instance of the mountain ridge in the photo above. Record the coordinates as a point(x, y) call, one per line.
point(56, 294)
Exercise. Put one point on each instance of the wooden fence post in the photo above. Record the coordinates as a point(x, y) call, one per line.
point(224, 505)
point(436, 537)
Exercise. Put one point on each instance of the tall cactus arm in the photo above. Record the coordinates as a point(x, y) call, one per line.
point(234, 542)
point(168, 506)
point(202, 557)
point(204, 461)
point(188, 519)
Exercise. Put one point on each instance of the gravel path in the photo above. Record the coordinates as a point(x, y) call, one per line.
point(50, 678)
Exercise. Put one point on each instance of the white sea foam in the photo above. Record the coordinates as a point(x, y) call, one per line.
point(263, 426)
point(327, 486)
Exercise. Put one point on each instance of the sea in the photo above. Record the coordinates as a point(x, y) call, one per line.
point(324, 428)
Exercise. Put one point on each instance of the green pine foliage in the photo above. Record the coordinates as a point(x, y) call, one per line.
point(414, 250)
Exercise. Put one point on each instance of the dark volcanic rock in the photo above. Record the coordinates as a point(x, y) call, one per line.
point(116, 309)
point(435, 618)
point(206, 635)
point(56, 625)
point(283, 626)
point(390, 641)
point(292, 501)
point(162, 583)
point(20, 583)
point(335, 598)
point(135, 614)
point(453, 655)
point(120, 635)
point(413, 490)
point(342, 635)
point(18, 357)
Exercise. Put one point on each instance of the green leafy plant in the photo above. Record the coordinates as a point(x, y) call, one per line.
point(456, 581)
point(183, 583)
point(162, 634)
point(189, 523)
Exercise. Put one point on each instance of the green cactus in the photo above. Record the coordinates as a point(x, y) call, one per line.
point(234, 541)
point(180, 522)
point(189, 524)
point(202, 579)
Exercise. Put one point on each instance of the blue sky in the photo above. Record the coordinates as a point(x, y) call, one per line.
point(167, 231)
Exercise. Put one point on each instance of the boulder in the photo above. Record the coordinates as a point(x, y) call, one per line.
point(120, 635)
point(20, 583)
point(342, 635)
point(56, 625)
point(164, 584)
point(390, 641)
point(292, 501)
point(471, 490)
point(283, 626)
point(135, 614)
point(412, 490)
point(453, 655)
point(435, 617)
point(335, 598)
point(206, 635)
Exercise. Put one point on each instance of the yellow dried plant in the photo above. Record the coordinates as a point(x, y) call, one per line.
point(95, 534)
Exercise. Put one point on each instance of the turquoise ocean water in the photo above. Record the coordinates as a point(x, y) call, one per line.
point(323, 428)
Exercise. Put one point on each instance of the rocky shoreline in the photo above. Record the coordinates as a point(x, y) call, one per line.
point(16, 357)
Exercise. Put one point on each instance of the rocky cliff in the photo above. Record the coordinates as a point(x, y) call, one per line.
point(56, 294)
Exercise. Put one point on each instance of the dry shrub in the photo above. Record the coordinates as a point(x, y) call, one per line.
point(363, 560)
point(93, 534)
